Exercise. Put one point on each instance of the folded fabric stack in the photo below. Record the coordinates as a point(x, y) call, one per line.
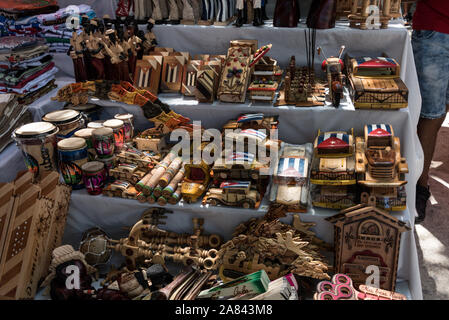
point(12, 116)
point(23, 8)
point(50, 26)
point(26, 68)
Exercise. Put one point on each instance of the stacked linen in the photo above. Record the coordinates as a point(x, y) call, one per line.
point(25, 8)
point(53, 27)
point(26, 68)
point(12, 116)
point(57, 28)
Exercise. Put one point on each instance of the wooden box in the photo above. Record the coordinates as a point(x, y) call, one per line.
point(235, 75)
point(172, 72)
point(364, 236)
point(33, 225)
point(148, 73)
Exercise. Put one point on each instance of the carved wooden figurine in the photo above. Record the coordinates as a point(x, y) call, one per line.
point(385, 9)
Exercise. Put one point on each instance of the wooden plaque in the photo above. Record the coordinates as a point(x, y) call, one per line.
point(172, 72)
point(148, 73)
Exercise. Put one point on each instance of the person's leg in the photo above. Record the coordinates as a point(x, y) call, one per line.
point(431, 54)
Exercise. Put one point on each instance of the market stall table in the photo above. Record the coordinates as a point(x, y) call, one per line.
point(297, 125)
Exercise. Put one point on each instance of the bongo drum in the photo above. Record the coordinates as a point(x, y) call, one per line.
point(90, 111)
point(37, 140)
point(95, 124)
point(103, 142)
point(72, 154)
point(117, 126)
point(68, 121)
point(128, 127)
point(94, 177)
point(86, 134)
point(109, 163)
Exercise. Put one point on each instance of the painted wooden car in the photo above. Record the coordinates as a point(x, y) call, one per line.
point(380, 167)
point(233, 193)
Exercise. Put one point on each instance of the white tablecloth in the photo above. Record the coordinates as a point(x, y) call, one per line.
point(297, 125)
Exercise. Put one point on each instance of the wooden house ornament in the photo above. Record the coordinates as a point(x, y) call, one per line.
point(148, 73)
point(364, 236)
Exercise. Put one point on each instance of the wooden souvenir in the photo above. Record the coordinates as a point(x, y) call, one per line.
point(128, 172)
point(144, 160)
point(151, 180)
point(343, 8)
point(150, 140)
point(172, 72)
point(290, 185)
point(136, 249)
point(190, 77)
point(365, 236)
point(375, 83)
point(381, 168)
point(204, 89)
point(252, 44)
point(335, 79)
point(334, 158)
point(334, 197)
point(148, 73)
point(196, 181)
point(235, 75)
point(268, 244)
point(254, 121)
point(234, 193)
point(358, 17)
point(163, 49)
point(300, 87)
point(121, 189)
point(32, 220)
point(262, 90)
point(341, 288)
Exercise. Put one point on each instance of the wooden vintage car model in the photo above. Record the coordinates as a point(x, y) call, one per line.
point(375, 83)
point(142, 159)
point(333, 170)
point(121, 189)
point(196, 181)
point(254, 121)
point(380, 166)
point(238, 165)
point(128, 172)
point(291, 179)
point(233, 193)
point(334, 160)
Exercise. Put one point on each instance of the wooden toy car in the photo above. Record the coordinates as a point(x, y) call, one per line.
point(254, 121)
point(238, 165)
point(334, 160)
point(128, 172)
point(375, 83)
point(252, 140)
point(291, 179)
point(196, 181)
point(121, 189)
point(233, 193)
point(380, 167)
point(142, 159)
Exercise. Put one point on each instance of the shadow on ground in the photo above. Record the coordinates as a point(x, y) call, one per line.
point(432, 236)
